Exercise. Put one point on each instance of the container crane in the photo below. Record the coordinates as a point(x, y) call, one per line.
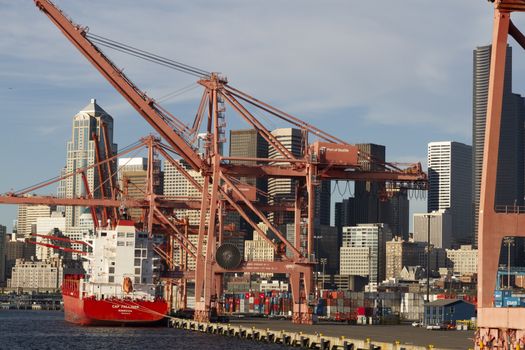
point(327, 159)
point(498, 328)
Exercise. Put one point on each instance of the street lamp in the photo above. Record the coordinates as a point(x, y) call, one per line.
point(508, 241)
point(428, 216)
point(323, 262)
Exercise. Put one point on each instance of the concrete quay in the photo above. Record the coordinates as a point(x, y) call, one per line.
point(333, 336)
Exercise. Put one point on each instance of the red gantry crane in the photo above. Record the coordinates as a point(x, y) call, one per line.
point(328, 158)
point(498, 327)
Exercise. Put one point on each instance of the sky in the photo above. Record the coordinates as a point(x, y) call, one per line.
point(396, 73)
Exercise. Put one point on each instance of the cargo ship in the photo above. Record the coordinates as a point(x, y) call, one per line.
point(118, 288)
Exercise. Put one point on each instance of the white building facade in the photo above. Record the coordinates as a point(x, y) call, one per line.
point(463, 261)
point(47, 226)
point(363, 251)
point(259, 249)
point(450, 185)
point(36, 275)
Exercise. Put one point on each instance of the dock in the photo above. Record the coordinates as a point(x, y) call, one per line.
point(331, 337)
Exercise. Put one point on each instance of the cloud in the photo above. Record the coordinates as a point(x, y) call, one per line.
point(396, 73)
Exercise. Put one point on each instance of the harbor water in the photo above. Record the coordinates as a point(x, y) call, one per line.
point(47, 330)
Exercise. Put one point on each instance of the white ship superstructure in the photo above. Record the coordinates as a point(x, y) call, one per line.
point(117, 255)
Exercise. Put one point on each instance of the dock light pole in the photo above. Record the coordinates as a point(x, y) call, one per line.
point(428, 216)
point(323, 262)
point(508, 241)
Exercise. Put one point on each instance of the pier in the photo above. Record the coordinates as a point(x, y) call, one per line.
point(332, 336)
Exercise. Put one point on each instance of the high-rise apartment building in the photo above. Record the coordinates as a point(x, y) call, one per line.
point(450, 185)
point(87, 129)
point(364, 251)
point(510, 178)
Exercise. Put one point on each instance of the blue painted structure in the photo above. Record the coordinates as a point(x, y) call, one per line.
point(446, 311)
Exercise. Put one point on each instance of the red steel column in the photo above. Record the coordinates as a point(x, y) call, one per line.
point(489, 240)
point(498, 328)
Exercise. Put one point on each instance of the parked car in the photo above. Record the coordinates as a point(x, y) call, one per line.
point(416, 324)
point(434, 327)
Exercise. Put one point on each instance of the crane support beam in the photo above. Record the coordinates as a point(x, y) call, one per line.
point(266, 267)
point(222, 190)
point(136, 98)
point(83, 202)
point(510, 5)
point(498, 327)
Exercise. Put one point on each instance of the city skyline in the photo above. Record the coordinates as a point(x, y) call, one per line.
point(402, 107)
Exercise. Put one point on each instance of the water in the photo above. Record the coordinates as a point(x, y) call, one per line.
point(47, 330)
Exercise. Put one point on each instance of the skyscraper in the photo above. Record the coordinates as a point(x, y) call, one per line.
point(510, 179)
point(87, 124)
point(248, 143)
point(283, 189)
point(450, 187)
point(371, 202)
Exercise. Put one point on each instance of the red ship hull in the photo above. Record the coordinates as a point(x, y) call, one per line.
point(115, 312)
point(110, 311)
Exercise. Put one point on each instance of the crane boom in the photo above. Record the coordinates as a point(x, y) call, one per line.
point(331, 160)
point(138, 99)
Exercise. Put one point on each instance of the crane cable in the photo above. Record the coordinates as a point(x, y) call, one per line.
point(148, 56)
point(177, 92)
point(56, 178)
